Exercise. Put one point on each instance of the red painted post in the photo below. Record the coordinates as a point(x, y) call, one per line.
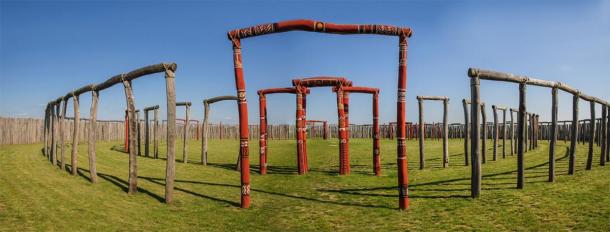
point(342, 130)
point(262, 141)
point(325, 130)
point(300, 122)
point(346, 163)
point(403, 176)
point(242, 106)
point(305, 163)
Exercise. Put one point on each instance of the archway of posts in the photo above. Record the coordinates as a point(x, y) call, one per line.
point(403, 34)
point(187, 112)
point(301, 85)
point(345, 91)
point(496, 132)
point(262, 98)
point(126, 79)
point(420, 100)
point(477, 74)
point(324, 127)
point(206, 126)
point(155, 131)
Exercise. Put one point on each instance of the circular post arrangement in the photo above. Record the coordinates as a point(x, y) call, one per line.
point(302, 86)
point(523, 81)
point(206, 127)
point(264, 152)
point(316, 26)
point(376, 149)
point(421, 131)
point(187, 112)
point(131, 123)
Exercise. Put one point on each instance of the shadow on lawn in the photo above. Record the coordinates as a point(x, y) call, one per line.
point(159, 181)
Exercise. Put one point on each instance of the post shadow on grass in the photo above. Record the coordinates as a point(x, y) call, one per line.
point(159, 181)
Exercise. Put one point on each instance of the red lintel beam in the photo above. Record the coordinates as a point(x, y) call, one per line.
point(322, 82)
point(279, 90)
point(360, 89)
point(318, 26)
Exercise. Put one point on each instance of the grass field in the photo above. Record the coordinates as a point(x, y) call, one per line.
point(34, 195)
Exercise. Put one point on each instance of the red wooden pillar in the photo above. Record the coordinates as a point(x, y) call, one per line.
point(262, 141)
point(300, 124)
point(305, 163)
point(403, 176)
point(376, 151)
point(126, 143)
point(325, 130)
point(242, 106)
point(342, 130)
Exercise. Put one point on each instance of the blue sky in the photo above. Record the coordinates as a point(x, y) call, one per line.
point(50, 48)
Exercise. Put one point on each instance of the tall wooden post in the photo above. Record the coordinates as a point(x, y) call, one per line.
point(553, 135)
point(421, 133)
point(131, 111)
point(170, 170)
point(574, 137)
point(466, 131)
point(475, 104)
point(45, 131)
point(185, 134)
point(346, 160)
point(376, 150)
point(262, 141)
point(126, 143)
point(401, 109)
point(521, 136)
point(138, 137)
point(483, 134)
point(75, 130)
point(54, 134)
point(512, 133)
point(301, 126)
point(504, 133)
point(156, 133)
point(62, 134)
point(446, 133)
point(342, 130)
point(146, 133)
point(206, 133)
point(495, 133)
point(604, 134)
point(591, 135)
point(92, 135)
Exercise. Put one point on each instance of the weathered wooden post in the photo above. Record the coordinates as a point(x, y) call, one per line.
point(421, 132)
point(446, 132)
point(483, 133)
point(495, 133)
point(604, 134)
point(187, 110)
point(93, 134)
point(503, 132)
point(591, 135)
point(171, 131)
point(74, 154)
point(521, 137)
point(206, 126)
point(574, 137)
point(147, 133)
point(45, 131)
point(512, 132)
point(156, 133)
point(138, 141)
point(62, 133)
point(131, 111)
point(55, 109)
point(466, 131)
point(554, 108)
point(475, 178)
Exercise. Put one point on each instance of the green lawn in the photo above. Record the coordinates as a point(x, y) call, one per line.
point(34, 195)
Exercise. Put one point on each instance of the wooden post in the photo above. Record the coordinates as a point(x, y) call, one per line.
point(126, 143)
point(421, 133)
point(466, 131)
point(553, 135)
point(342, 130)
point(346, 160)
point(446, 133)
point(607, 130)
point(504, 133)
point(55, 133)
point(171, 133)
point(521, 135)
point(45, 131)
point(146, 133)
point(206, 132)
point(75, 130)
point(185, 138)
point(92, 135)
point(483, 134)
point(131, 111)
point(574, 137)
point(62, 133)
point(262, 141)
point(591, 135)
point(156, 133)
point(495, 133)
point(475, 104)
point(604, 134)
point(376, 149)
point(138, 141)
point(512, 133)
